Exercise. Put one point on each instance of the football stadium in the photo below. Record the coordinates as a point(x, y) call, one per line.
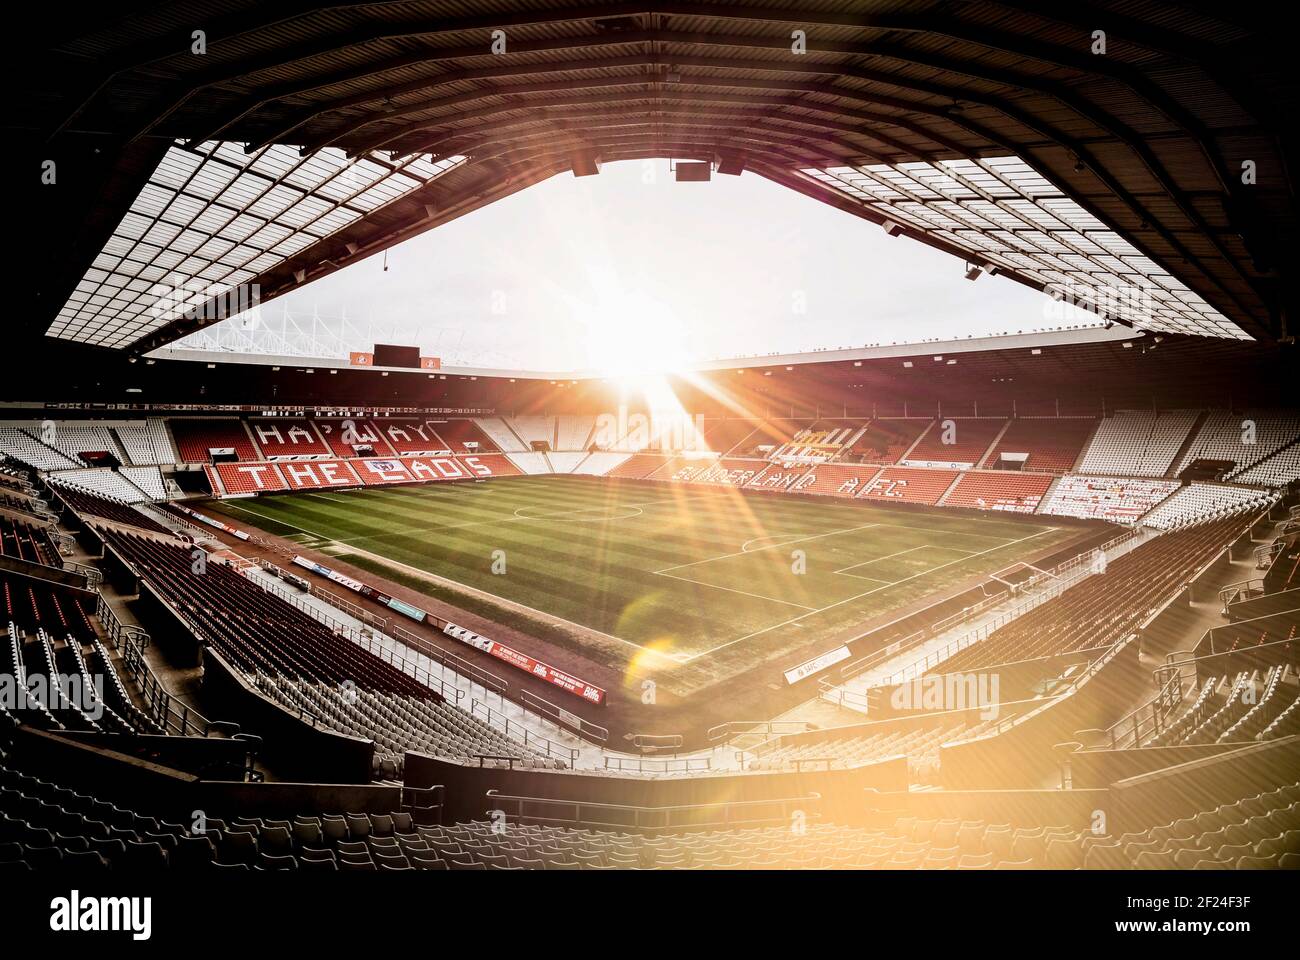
point(746, 437)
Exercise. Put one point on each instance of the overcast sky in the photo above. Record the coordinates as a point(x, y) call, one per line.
point(630, 270)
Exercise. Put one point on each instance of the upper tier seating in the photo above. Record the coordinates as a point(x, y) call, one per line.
point(1117, 499)
point(75, 437)
point(1202, 502)
point(1137, 443)
point(1053, 444)
point(346, 436)
point(1278, 470)
point(574, 433)
point(93, 504)
point(1223, 433)
point(824, 440)
point(501, 434)
point(970, 439)
point(721, 436)
point(463, 436)
point(107, 483)
point(775, 433)
point(535, 430)
point(885, 441)
point(411, 437)
point(195, 439)
point(1105, 607)
point(146, 441)
point(25, 448)
point(909, 485)
point(285, 437)
point(1002, 490)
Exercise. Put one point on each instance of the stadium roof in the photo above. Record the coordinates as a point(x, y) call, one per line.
point(1130, 153)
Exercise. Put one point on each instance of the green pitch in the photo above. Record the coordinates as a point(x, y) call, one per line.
point(691, 583)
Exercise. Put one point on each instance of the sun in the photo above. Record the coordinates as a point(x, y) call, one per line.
point(629, 336)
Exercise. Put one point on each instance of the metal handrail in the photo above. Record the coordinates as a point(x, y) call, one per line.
point(644, 818)
point(530, 738)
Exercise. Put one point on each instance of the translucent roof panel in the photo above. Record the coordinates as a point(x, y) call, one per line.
point(1005, 214)
point(212, 217)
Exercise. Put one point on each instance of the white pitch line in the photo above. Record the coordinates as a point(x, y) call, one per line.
point(784, 543)
point(878, 559)
point(867, 593)
point(756, 596)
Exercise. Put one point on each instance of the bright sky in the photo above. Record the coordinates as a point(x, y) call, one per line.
point(630, 270)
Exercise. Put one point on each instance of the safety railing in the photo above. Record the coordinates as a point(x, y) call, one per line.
point(521, 734)
point(130, 641)
point(724, 815)
point(621, 764)
point(1149, 719)
point(562, 719)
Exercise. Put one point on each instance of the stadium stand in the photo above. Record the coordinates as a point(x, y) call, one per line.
point(1202, 502)
point(885, 441)
point(531, 463)
point(1105, 607)
point(1277, 470)
point(24, 541)
point(574, 433)
point(236, 478)
point(724, 472)
point(285, 437)
point(838, 480)
point(824, 440)
point(1117, 499)
point(148, 479)
point(92, 504)
point(535, 432)
point(106, 482)
point(146, 442)
point(315, 474)
point(501, 434)
point(463, 436)
point(602, 464)
point(1138, 443)
point(970, 440)
point(255, 630)
point(722, 436)
point(775, 433)
point(1049, 444)
point(639, 466)
point(25, 448)
point(1016, 492)
point(408, 437)
point(909, 485)
point(353, 437)
point(565, 461)
point(196, 439)
point(1225, 434)
point(75, 437)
